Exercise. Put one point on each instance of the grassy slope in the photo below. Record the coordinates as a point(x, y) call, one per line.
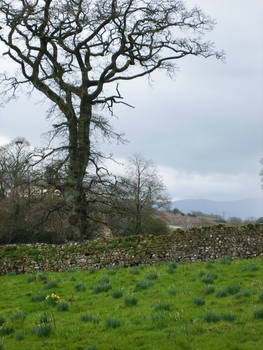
point(141, 326)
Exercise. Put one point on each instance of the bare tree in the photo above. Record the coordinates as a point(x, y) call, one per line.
point(31, 209)
point(76, 51)
point(143, 190)
point(15, 164)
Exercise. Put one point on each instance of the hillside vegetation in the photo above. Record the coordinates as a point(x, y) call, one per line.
point(199, 306)
point(175, 218)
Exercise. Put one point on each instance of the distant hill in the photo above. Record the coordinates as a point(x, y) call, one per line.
point(242, 209)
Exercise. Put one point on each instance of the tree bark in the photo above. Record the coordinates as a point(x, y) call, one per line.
point(79, 155)
point(77, 219)
point(138, 223)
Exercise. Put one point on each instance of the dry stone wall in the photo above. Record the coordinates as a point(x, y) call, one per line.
point(195, 244)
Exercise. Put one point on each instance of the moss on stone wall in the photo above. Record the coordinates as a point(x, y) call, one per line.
point(194, 244)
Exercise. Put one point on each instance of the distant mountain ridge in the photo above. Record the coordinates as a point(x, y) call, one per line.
point(243, 209)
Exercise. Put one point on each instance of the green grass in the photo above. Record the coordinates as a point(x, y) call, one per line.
point(199, 306)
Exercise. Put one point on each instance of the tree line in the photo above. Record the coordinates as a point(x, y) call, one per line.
point(33, 205)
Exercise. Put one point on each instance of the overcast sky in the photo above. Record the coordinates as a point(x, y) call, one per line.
point(202, 129)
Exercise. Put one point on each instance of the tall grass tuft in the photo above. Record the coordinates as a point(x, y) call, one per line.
point(89, 318)
point(42, 330)
point(253, 267)
point(112, 323)
point(210, 265)
point(45, 318)
point(80, 287)
point(211, 316)
point(159, 319)
point(209, 290)
point(130, 301)
point(91, 347)
point(209, 278)
point(72, 278)
point(152, 276)
point(51, 284)
point(171, 267)
point(172, 264)
point(143, 284)
point(198, 301)
point(233, 289)
point(260, 296)
point(229, 290)
point(20, 315)
point(101, 285)
point(43, 276)
point(112, 271)
point(221, 293)
point(38, 297)
point(2, 320)
point(31, 278)
point(258, 313)
point(6, 329)
point(117, 294)
point(20, 336)
point(227, 260)
point(228, 317)
point(62, 306)
point(172, 291)
point(161, 306)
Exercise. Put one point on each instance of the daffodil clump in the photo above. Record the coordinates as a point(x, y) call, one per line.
point(53, 299)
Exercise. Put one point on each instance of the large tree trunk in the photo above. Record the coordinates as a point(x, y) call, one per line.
point(138, 219)
point(138, 215)
point(77, 218)
point(79, 155)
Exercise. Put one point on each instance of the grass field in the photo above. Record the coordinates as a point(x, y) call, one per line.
point(199, 306)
